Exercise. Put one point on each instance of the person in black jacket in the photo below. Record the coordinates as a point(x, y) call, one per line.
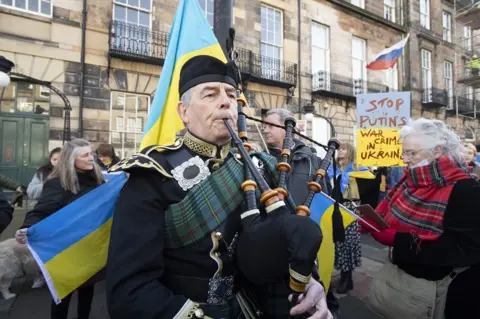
point(6, 212)
point(75, 175)
point(304, 163)
point(162, 265)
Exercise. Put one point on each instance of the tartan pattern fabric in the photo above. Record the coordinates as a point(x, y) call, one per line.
point(205, 207)
point(272, 173)
point(418, 202)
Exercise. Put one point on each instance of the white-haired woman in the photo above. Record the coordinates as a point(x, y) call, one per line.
point(434, 231)
point(75, 174)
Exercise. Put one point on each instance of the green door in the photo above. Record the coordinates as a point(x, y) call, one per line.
point(23, 146)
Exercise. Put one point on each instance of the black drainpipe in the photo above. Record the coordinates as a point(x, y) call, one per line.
point(299, 63)
point(82, 69)
point(408, 56)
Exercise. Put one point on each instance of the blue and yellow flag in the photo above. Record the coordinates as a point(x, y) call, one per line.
point(190, 36)
point(71, 245)
point(321, 213)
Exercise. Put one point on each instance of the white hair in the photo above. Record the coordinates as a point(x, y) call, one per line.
point(65, 169)
point(187, 96)
point(434, 133)
point(282, 113)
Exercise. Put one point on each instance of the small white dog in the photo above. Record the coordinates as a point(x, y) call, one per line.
point(16, 261)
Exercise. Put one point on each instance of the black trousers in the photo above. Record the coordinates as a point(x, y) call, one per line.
point(85, 297)
point(332, 303)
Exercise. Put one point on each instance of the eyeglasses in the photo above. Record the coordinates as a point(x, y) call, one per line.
point(410, 154)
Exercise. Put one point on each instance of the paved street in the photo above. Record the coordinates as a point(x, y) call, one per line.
point(35, 303)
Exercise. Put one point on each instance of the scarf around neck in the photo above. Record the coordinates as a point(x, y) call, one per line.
point(418, 202)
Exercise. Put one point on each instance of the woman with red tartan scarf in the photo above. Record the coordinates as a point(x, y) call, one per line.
point(434, 232)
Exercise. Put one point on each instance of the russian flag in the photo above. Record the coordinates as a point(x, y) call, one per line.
point(388, 57)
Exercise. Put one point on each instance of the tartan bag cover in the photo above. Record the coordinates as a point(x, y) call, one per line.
point(209, 203)
point(205, 206)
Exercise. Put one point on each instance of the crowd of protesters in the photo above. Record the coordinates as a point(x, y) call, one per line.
point(433, 234)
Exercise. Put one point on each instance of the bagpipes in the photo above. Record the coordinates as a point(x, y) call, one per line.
point(278, 243)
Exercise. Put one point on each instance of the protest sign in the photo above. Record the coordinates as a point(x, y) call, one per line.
point(379, 119)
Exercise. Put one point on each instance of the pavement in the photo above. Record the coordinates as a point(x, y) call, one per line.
point(35, 303)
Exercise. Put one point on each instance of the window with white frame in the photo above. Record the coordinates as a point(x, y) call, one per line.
point(133, 22)
point(392, 77)
point(359, 3)
point(467, 34)
point(448, 78)
point(389, 10)
point(41, 7)
point(320, 56)
point(447, 26)
point(425, 13)
point(359, 71)
point(26, 98)
point(128, 115)
point(321, 132)
point(207, 8)
point(470, 93)
point(271, 42)
point(426, 75)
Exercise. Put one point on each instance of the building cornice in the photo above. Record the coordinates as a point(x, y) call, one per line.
point(369, 15)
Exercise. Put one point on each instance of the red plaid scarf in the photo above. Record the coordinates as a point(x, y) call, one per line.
point(418, 202)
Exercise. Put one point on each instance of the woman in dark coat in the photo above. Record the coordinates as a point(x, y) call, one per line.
point(75, 175)
point(434, 231)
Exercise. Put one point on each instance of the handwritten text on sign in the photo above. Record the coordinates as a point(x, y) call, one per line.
point(390, 109)
point(379, 147)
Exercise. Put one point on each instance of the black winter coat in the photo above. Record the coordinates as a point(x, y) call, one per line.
point(6, 212)
point(304, 164)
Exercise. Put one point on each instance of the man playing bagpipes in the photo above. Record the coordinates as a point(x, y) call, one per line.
point(181, 216)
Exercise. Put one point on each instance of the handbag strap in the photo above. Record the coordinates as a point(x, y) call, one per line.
point(457, 271)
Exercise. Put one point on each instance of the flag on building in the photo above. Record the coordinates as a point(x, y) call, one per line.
point(321, 213)
point(71, 245)
point(388, 57)
point(191, 35)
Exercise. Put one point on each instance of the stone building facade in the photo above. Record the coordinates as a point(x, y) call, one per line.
point(318, 60)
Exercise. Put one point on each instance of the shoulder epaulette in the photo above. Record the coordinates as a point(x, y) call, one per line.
point(159, 148)
point(144, 160)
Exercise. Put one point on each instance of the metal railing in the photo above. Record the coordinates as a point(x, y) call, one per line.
point(137, 42)
point(435, 96)
point(465, 105)
point(467, 73)
point(462, 9)
point(469, 45)
point(267, 68)
point(342, 85)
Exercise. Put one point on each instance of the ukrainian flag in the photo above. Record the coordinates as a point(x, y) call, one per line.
point(71, 245)
point(321, 213)
point(190, 36)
